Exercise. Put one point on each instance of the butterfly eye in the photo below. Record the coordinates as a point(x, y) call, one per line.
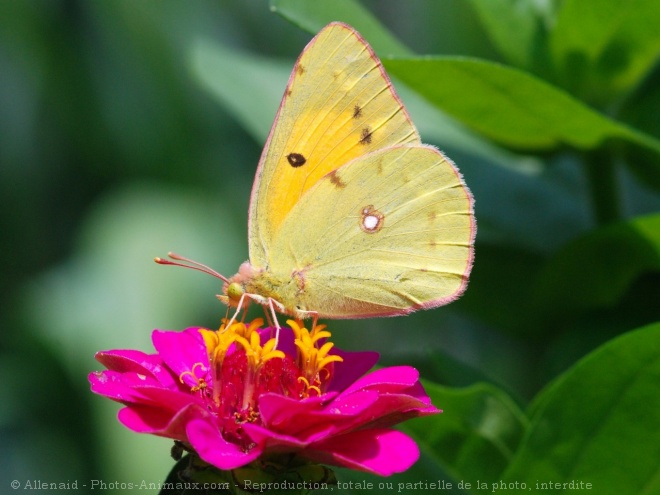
point(235, 291)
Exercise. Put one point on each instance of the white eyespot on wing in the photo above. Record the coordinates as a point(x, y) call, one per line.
point(371, 220)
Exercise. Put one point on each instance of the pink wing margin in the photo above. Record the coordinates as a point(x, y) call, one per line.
point(470, 261)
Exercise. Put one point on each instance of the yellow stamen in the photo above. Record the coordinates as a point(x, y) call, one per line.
point(308, 387)
point(257, 355)
point(313, 362)
point(201, 382)
point(254, 326)
point(249, 416)
point(218, 343)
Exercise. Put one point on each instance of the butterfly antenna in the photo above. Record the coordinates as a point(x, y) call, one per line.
point(188, 263)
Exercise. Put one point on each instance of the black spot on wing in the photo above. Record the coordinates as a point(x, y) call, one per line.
point(296, 159)
point(365, 137)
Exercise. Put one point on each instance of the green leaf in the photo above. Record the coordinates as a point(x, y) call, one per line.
point(514, 26)
point(476, 435)
point(644, 164)
point(641, 111)
point(604, 48)
point(510, 106)
point(598, 268)
point(312, 16)
point(248, 86)
point(436, 127)
point(599, 422)
point(502, 278)
point(439, 366)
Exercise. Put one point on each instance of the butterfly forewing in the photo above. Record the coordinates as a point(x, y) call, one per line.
point(338, 105)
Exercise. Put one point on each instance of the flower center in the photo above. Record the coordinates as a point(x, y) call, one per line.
point(242, 369)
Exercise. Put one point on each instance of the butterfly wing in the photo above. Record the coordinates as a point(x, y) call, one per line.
point(386, 234)
point(338, 105)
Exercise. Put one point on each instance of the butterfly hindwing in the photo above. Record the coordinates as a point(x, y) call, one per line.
point(338, 105)
point(392, 232)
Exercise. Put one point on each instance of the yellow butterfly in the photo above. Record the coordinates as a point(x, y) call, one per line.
point(351, 216)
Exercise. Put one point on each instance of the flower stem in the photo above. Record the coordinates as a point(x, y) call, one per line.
point(603, 186)
point(282, 473)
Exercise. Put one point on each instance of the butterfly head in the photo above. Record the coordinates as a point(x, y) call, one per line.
point(234, 291)
point(234, 287)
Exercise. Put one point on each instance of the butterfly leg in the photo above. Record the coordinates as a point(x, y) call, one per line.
point(310, 314)
point(272, 304)
point(242, 304)
point(269, 318)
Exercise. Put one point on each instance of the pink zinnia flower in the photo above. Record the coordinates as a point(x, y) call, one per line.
point(232, 398)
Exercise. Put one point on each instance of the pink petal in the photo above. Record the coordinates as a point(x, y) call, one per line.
point(157, 421)
point(417, 391)
point(382, 452)
point(127, 360)
point(392, 379)
point(145, 418)
point(361, 410)
point(277, 410)
point(138, 362)
point(181, 351)
point(207, 441)
point(133, 388)
point(170, 400)
point(272, 440)
point(338, 417)
point(115, 386)
point(313, 429)
point(391, 409)
point(310, 419)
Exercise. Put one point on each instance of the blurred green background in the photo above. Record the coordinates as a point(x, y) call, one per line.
point(130, 129)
